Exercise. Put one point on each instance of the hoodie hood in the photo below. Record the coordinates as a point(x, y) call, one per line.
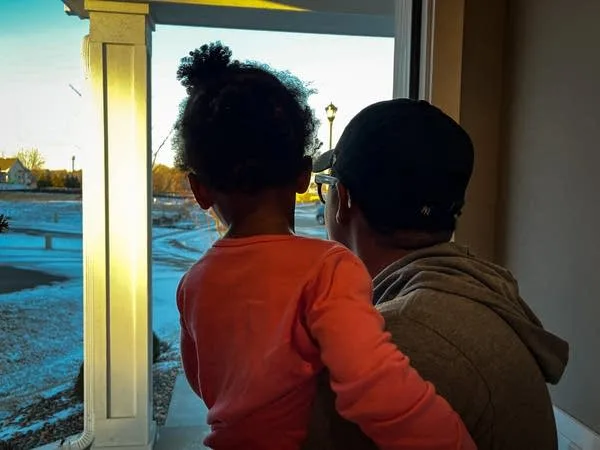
point(451, 269)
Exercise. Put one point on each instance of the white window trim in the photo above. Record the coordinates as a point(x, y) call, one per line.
point(441, 54)
point(402, 46)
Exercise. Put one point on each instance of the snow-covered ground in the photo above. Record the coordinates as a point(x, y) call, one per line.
point(41, 329)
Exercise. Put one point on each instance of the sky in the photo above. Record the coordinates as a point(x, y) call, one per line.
point(40, 49)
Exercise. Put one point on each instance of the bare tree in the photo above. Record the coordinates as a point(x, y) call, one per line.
point(31, 158)
point(155, 155)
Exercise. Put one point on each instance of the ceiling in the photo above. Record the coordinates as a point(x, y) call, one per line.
point(346, 17)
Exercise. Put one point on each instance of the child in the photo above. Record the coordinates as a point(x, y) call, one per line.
point(264, 311)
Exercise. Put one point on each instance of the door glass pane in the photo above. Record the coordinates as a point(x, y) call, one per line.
point(182, 232)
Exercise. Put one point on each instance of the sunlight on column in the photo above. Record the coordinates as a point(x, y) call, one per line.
point(124, 224)
point(251, 4)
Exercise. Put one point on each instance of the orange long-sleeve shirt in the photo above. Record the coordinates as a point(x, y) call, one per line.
point(260, 317)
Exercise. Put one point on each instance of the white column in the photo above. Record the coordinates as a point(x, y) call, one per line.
point(116, 229)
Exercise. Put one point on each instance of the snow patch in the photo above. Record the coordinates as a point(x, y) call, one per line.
point(41, 329)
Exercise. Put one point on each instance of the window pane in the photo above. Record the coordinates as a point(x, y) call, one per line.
point(310, 212)
point(41, 321)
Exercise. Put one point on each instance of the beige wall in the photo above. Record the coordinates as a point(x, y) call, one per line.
point(480, 107)
point(465, 58)
point(551, 189)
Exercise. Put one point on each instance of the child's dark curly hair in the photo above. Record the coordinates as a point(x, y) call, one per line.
point(243, 127)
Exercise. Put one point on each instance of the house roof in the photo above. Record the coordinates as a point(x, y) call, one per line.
point(7, 163)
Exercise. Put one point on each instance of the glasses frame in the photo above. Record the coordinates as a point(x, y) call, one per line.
point(320, 180)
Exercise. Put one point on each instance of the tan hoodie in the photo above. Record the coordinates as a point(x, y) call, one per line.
point(466, 329)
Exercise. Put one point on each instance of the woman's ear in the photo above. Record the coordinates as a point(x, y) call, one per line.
point(201, 192)
point(303, 180)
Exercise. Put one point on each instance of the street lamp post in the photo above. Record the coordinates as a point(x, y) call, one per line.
point(331, 110)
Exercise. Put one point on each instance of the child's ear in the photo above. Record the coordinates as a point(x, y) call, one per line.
point(201, 193)
point(303, 181)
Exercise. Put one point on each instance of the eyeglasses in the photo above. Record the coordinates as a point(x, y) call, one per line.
point(324, 182)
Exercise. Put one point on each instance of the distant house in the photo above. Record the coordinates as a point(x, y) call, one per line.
point(13, 172)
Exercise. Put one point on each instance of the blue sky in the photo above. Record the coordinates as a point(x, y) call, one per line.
point(40, 56)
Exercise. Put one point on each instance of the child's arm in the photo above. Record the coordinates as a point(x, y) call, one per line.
point(375, 385)
point(189, 357)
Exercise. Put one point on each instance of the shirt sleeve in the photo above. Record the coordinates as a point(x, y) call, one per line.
point(189, 355)
point(375, 385)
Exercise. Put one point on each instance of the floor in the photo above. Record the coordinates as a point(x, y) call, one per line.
point(185, 427)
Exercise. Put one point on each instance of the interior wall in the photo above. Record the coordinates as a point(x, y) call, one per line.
point(550, 193)
point(480, 114)
point(446, 56)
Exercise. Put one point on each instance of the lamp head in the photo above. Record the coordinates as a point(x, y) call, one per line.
point(331, 110)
